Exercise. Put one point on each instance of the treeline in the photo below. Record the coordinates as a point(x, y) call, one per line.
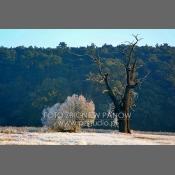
point(33, 78)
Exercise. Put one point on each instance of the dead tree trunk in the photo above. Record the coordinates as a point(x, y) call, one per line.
point(121, 108)
point(125, 111)
point(131, 83)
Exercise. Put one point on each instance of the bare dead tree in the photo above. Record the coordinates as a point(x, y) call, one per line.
point(124, 104)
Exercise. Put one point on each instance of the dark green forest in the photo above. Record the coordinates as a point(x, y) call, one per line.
point(33, 78)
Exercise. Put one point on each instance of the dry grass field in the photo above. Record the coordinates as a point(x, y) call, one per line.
point(41, 136)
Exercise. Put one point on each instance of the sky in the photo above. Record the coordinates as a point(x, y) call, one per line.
point(83, 37)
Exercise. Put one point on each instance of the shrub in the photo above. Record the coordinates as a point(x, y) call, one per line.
point(75, 112)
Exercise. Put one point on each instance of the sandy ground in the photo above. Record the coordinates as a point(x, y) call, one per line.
point(33, 136)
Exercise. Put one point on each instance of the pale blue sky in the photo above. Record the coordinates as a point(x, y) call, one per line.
point(82, 37)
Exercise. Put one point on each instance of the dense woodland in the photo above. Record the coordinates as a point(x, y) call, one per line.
point(33, 78)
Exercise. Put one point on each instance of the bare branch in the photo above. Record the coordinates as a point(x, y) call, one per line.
point(132, 45)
